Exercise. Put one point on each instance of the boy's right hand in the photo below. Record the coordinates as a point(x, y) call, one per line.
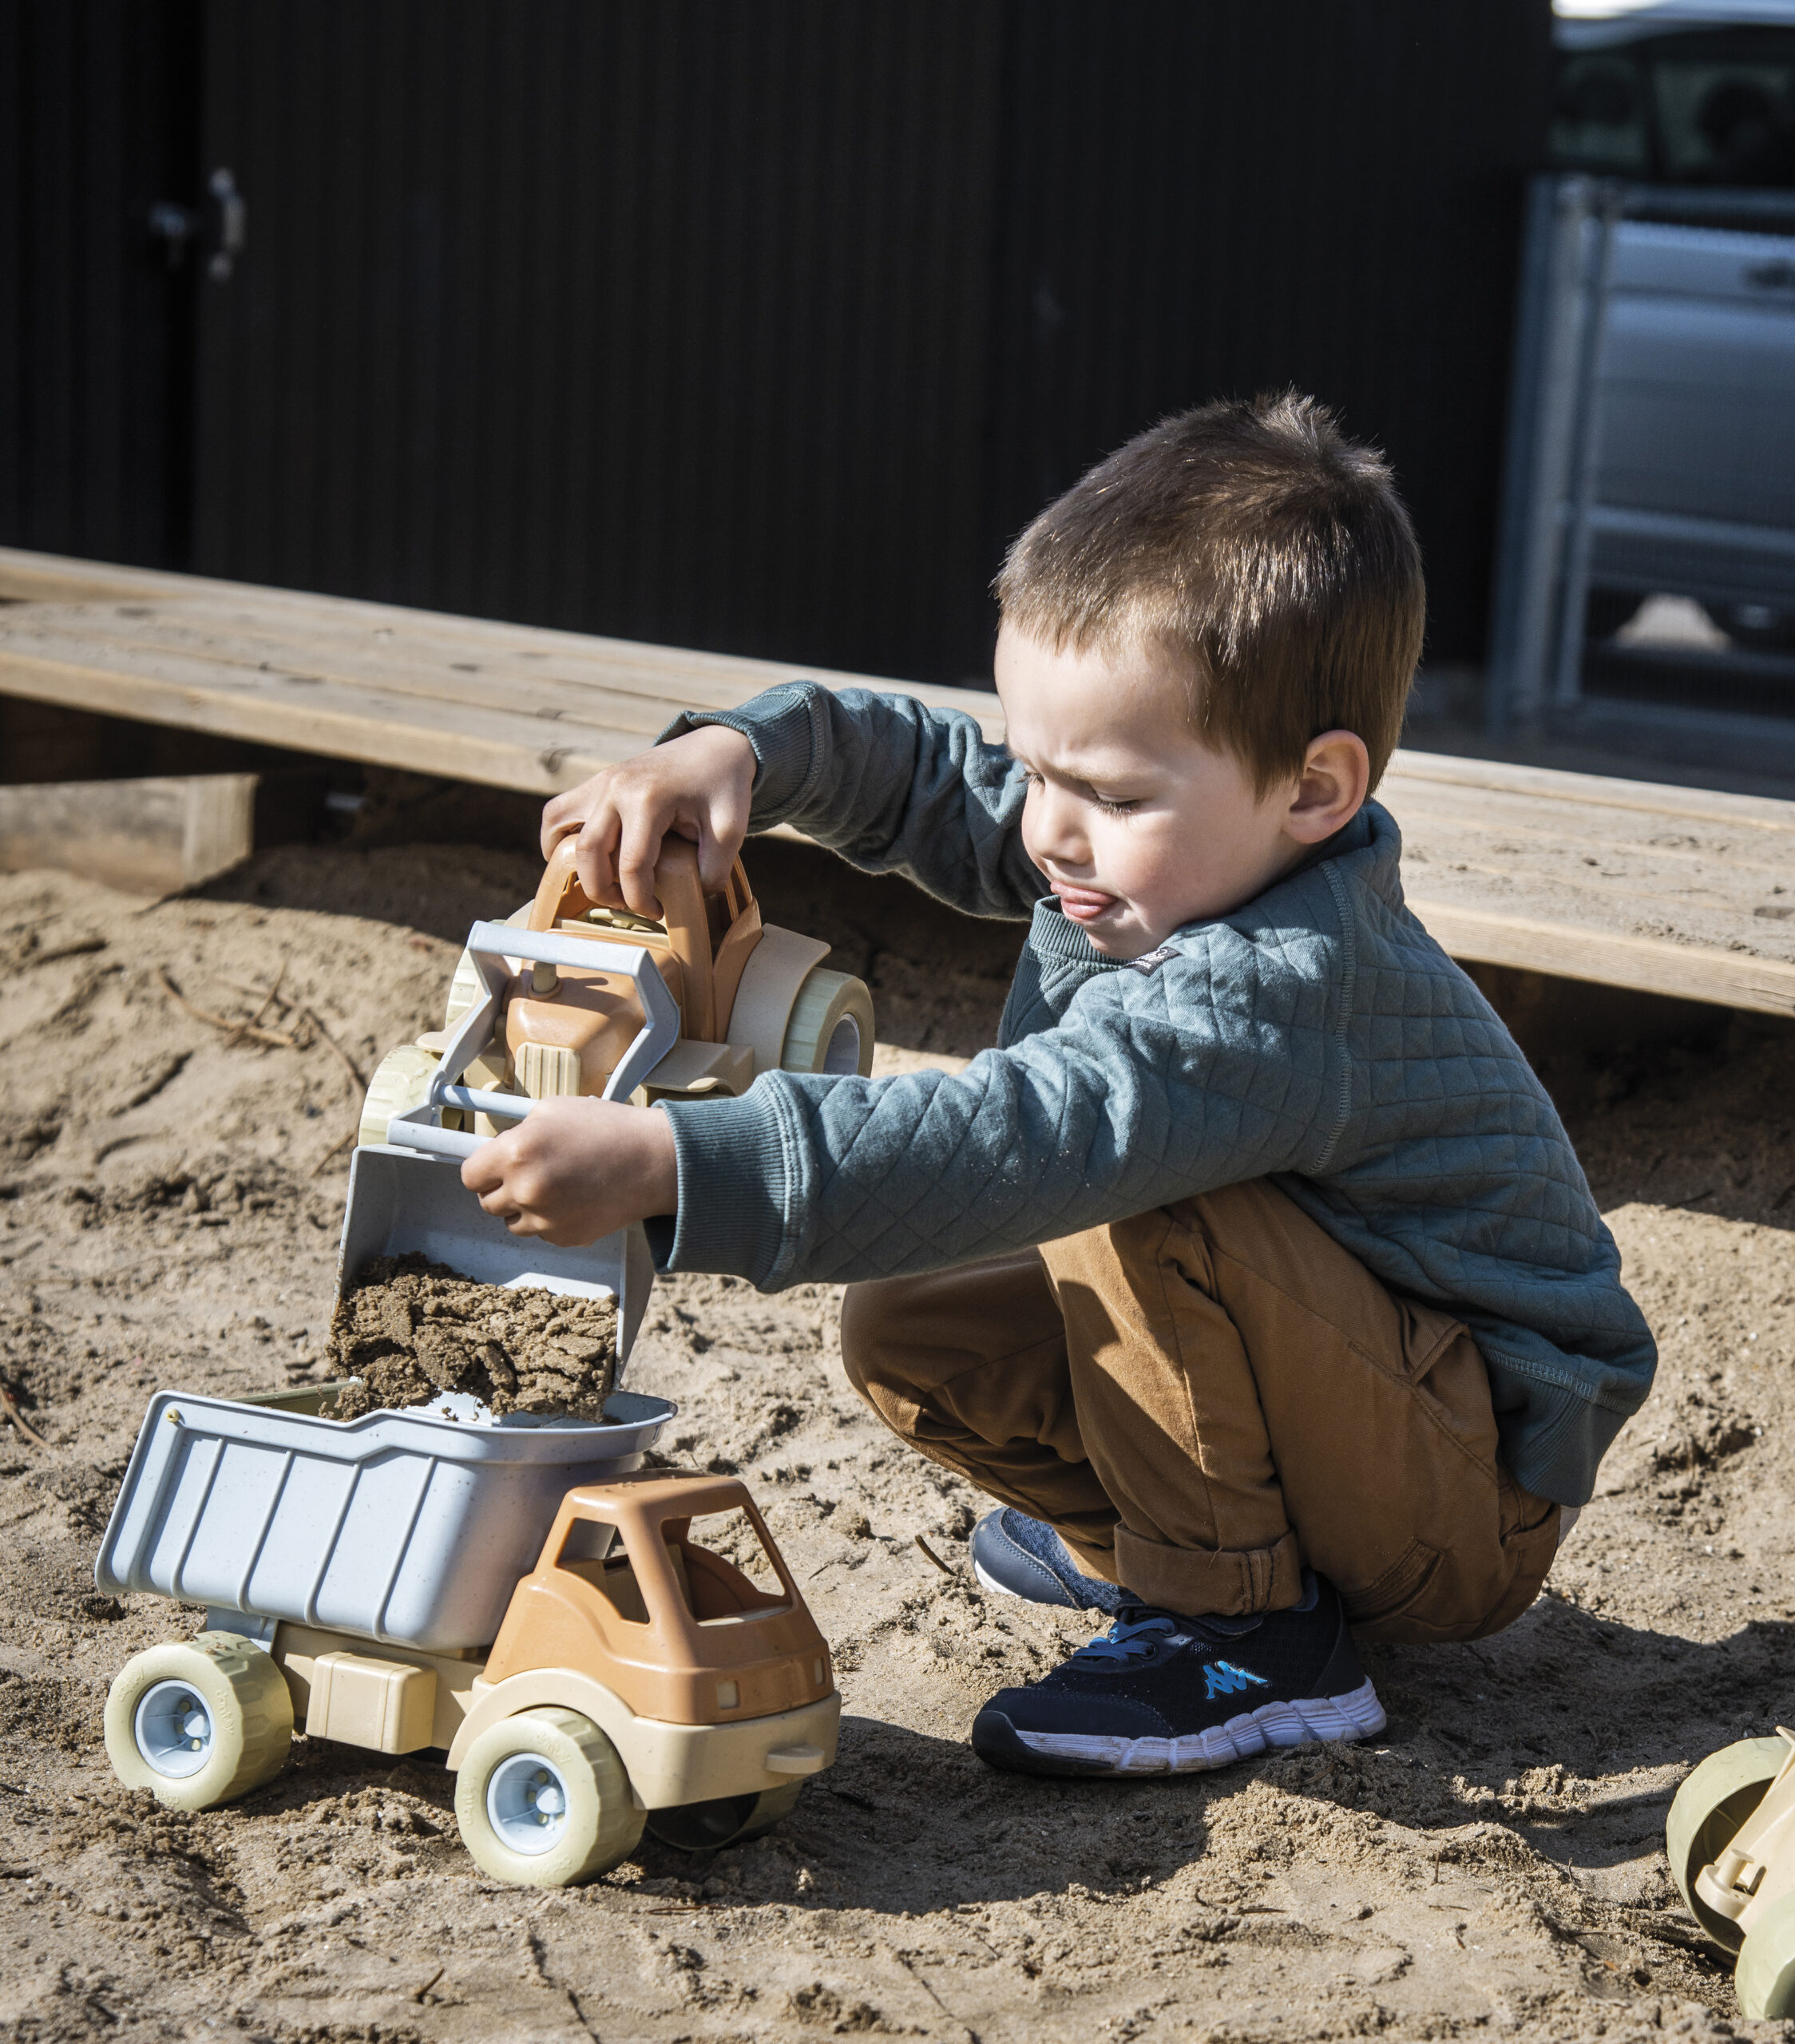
point(697, 786)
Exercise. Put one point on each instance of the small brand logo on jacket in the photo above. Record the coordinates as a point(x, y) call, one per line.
point(1152, 960)
point(1223, 1678)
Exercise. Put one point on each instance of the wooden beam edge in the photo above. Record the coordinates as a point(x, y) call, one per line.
point(1647, 965)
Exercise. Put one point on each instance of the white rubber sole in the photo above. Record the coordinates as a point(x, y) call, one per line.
point(1003, 1590)
point(1357, 1715)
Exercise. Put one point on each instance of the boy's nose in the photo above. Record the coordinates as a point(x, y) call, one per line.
point(1058, 829)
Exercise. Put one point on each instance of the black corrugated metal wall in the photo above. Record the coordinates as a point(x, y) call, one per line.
point(762, 328)
point(97, 120)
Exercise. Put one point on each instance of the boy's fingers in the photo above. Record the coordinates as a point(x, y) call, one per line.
point(565, 812)
point(484, 1172)
point(638, 847)
point(595, 857)
point(725, 825)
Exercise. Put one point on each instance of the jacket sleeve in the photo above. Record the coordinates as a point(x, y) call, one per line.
point(1113, 1112)
point(893, 786)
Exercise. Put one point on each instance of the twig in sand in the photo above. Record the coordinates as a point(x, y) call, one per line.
point(349, 1063)
point(77, 947)
point(933, 1556)
point(417, 1993)
point(335, 1150)
point(272, 994)
point(18, 1419)
point(237, 1029)
point(300, 1011)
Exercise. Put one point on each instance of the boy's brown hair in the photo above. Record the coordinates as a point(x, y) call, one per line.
point(1258, 543)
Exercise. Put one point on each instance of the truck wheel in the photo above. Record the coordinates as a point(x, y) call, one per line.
point(199, 1722)
point(542, 1799)
point(401, 1080)
point(1765, 1979)
point(728, 1820)
point(1705, 1817)
point(830, 1026)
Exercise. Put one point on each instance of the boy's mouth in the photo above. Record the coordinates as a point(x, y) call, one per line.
point(1083, 905)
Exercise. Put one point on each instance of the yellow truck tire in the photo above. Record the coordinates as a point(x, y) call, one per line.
point(1765, 1979)
point(1712, 1804)
point(830, 1026)
point(543, 1800)
point(402, 1079)
point(199, 1722)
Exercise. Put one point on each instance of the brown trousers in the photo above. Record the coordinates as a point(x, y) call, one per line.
point(1205, 1397)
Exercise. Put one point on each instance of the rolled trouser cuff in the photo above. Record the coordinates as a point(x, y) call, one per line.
point(1199, 1582)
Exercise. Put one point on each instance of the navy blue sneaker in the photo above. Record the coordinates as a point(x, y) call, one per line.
point(1160, 1695)
point(1018, 1556)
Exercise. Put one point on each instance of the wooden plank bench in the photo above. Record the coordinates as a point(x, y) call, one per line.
point(1667, 890)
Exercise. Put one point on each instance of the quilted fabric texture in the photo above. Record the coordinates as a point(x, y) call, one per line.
point(1318, 1036)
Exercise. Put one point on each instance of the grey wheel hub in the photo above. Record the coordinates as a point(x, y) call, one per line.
point(174, 1730)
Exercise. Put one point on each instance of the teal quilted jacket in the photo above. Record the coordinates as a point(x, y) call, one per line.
point(1317, 1036)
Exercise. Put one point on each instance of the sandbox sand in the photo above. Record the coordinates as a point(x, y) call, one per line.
point(168, 1212)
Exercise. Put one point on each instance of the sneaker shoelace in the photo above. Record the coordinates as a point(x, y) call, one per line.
point(1137, 1631)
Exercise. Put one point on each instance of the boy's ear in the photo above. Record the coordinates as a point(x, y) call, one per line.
point(1335, 781)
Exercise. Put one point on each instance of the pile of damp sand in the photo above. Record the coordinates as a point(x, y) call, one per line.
point(411, 1328)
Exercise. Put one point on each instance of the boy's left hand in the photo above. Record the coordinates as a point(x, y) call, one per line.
point(573, 1169)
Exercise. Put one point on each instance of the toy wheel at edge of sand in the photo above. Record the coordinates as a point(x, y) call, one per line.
point(198, 1722)
point(542, 1799)
point(1704, 1818)
point(830, 1028)
point(1764, 1981)
point(728, 1820)
point(402, 1079)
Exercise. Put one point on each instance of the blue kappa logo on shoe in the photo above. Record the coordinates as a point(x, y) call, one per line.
point(1223, 1678)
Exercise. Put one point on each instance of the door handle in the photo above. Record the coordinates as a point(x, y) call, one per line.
point(220, 227)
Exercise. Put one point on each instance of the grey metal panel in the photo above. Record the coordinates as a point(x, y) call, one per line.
point(1704, 262)
point(1698, 401)
point(1659, 448)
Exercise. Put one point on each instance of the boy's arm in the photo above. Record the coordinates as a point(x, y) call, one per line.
point(891, 785)
point(810, 1178)
point(1114, 1111)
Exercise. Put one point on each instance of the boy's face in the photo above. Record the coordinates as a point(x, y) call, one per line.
point(1139, 825)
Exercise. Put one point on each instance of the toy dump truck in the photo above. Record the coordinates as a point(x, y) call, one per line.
point(519, 1593)
point(1730, 1836)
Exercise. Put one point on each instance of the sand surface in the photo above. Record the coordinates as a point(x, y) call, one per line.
point(1493, 1865)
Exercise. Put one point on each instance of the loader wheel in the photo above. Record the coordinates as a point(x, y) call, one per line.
point(727, 1821)
point(1705, 1817)
point(830, 1027)
point(1764, 1981)
point(542, 1799)
point(199, 1722)
point(401, 1080)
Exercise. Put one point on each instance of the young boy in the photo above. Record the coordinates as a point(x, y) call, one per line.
point(1252, 1273)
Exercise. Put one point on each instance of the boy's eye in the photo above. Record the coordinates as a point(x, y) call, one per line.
point(1116, 808)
